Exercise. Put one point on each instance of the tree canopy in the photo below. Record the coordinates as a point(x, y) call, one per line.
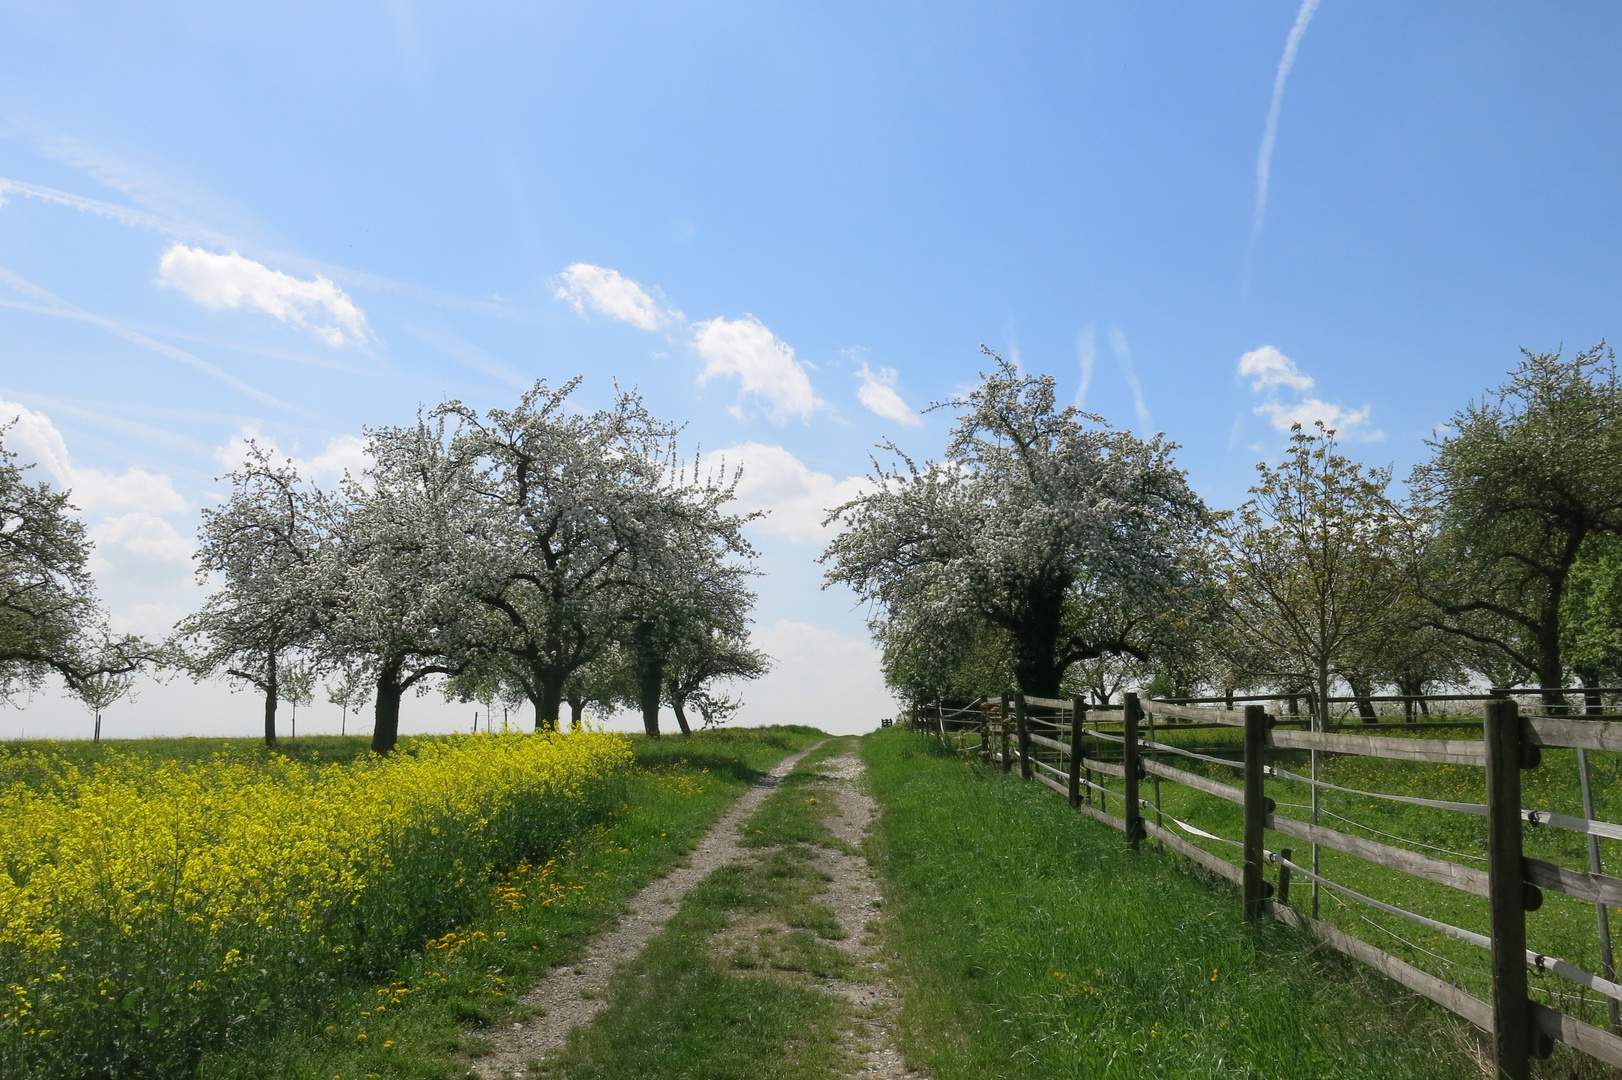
point(1069, 538)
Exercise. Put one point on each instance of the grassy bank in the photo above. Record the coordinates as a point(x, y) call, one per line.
point(1031, 943)
point(689, 1007)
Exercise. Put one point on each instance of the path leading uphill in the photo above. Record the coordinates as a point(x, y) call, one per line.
point(571, 994)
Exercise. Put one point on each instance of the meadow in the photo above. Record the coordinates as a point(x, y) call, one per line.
point(182, 907)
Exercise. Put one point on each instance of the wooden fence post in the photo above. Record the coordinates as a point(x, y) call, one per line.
point(1133, 712)
point(1024, 736)
point(1506, 893)
point(985, 732)
point(1002, 729)
point(1254, 884)
point(1078, 717)
point(1284, 876)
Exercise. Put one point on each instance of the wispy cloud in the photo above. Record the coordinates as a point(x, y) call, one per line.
point(1087, 349)
point(606, 291)
point(1123, 356)
point(879, 394)
point(764, 366)
point(218, 282)
point(1270, 371)
point(1264, 156)
point(48, 303)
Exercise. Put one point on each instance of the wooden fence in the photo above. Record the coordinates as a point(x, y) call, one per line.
point(1056, 743)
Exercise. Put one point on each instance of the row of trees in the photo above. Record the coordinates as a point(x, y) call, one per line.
point(1050, 552)
point(536, 553)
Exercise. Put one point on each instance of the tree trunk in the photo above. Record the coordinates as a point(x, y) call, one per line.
point(1362, 688)
point(1551, 672)
point(680, 709)
point(649, 662)
point(1036, 648)
point(1323, 696)
point(551, 703)
point(1593, 703)
point(386, 729)
point(270, 704)
point(577, 713)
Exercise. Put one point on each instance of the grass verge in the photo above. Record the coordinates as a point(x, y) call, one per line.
point(1030, 943)
point(726, 991)
point(426, 1022)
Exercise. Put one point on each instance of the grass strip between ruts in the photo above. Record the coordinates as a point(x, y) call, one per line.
point(428, 1020)
point(692, 1007)
point(1029, 942)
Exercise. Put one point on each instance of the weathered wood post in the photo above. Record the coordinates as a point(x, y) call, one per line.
point(1078, 717)
point(1133, 712)
point(985, 731)
point(1002, 729)
point(1506, 892)
point(1253, 883)
point(1024, 736)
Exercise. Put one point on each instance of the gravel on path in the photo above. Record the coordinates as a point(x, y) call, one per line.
point(571, 994)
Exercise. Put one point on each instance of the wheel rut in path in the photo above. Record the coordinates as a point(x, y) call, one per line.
point(572, 994)
point(853, 893)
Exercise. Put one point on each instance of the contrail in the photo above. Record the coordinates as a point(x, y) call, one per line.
point(1264, 157)
point(48, 303)
point(192, 233)
point(1084, 346)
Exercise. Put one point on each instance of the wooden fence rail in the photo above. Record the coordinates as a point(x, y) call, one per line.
point(1051, 740)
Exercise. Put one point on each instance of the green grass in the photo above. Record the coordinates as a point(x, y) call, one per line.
point(794, 813)
point(1563, 927)
point(740, 1007)
point(1031, 943)
point(429, 1020)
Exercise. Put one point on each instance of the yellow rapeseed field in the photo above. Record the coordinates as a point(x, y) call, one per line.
point(150, 910)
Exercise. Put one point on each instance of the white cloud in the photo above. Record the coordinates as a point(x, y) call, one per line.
point(342, 453)
point(1347, 422)
point(35, 440)
point(584, 285)
point(879, 394)
point(764, 366)
point(795, 498)
point(234, 281)
point(144, 536)
point(1270, 368)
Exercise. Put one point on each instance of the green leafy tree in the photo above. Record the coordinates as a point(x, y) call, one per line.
point(1527, 477)
point(1591, 619)
point(1310, 563)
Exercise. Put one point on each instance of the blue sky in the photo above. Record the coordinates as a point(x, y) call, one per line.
point(787, 225)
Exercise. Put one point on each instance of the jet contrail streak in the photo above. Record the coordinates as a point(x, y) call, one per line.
point(1264, 157)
